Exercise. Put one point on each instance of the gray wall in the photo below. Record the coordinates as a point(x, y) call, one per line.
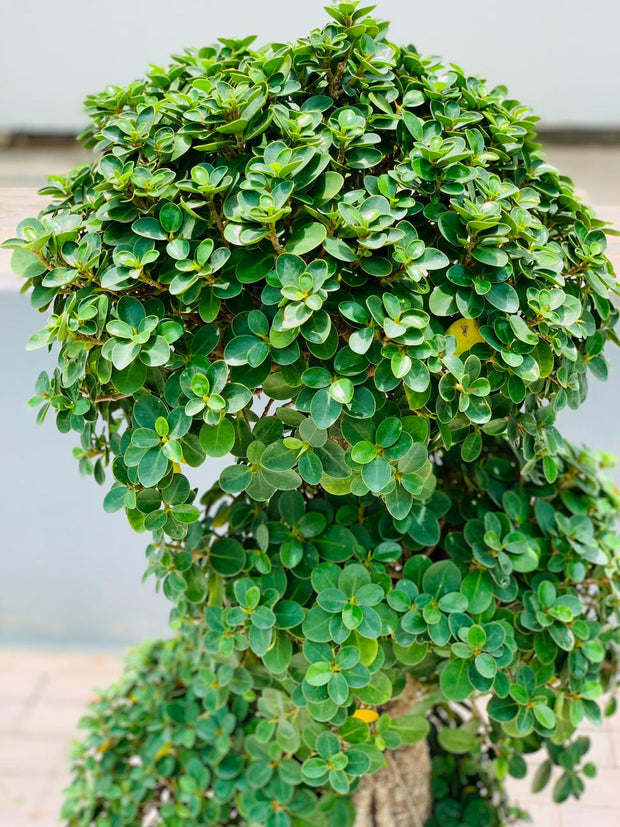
point(559, 56)
point(69, 572)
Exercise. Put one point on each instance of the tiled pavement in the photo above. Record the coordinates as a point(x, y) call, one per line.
point(42, 697)
point(43, 694)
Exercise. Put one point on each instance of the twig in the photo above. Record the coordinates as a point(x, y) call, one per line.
point(334, 89)
point(273, 236)
point(218, 221)
point(111, 397)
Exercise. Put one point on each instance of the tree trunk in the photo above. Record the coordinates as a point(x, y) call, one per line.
point(400, 794)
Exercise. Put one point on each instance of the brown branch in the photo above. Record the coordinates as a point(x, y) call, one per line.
point(335, 89)
point(110, 398)
point(218, 221)
point(146, 279)
point(80, 337)
point(273, 237)
point(267, 408)
point(43, 260)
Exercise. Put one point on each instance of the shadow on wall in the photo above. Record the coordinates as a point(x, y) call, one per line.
point(71, 573)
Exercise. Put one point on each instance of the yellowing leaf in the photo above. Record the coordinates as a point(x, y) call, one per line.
point(336, 485)
point(221, 519)
point(367, 715)
point(165, 750)
point(368, 648)
point(467, 334)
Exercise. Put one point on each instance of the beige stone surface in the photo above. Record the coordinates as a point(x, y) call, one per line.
point(590, 817)
point(42, 697)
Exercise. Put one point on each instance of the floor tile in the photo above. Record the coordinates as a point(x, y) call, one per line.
point(601, 751)
point(11, 713)
point(19, 793)
point(45, 719)
point(545, 816)
point(35, 756)
point(520, 790)
point(576, 816)
point(602, 791)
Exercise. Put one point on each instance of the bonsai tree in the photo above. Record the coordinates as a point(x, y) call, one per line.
point(349, 267)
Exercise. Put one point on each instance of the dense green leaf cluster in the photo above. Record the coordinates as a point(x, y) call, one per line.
point(328, 604)
point(312, 222)
point(465, 785)
point(351, 268)
point(500, 585)
point(191, 741)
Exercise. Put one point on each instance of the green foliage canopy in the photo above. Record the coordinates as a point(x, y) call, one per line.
point(350, 267)
point(309, 223)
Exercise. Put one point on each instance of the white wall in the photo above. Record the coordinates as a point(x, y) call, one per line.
point(560, 56)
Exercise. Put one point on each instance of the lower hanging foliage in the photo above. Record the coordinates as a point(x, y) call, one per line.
point(303, 621)
point(466, 789)
point(498, 586)
point(169, 744)
point(183, 740)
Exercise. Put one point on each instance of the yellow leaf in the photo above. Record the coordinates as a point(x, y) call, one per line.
point(165, 750)
point(367, 715)
point(467, 334)
point(221, 518)
point(368, 648)
point(336, 485)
